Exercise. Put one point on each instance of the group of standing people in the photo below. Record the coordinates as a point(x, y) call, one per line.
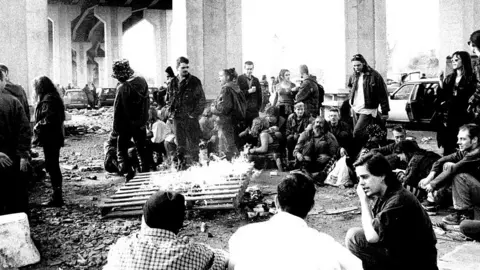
point(17, 137)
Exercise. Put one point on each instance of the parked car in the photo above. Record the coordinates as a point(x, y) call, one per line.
point(413, 102)
point(106, 97)
point(75, 99)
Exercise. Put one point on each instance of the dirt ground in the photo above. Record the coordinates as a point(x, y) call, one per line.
point(76, 237)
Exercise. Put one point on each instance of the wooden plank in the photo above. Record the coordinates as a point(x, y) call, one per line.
point(215, 207)
point(141, 201)
point(117, 214)
point(192, 194)
point(341, 210)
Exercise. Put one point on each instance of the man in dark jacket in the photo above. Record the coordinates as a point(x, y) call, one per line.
point(15, 140)
point(367, 91)
point(187, 104)
point(341, 130)
point(130, 115)
point(15, 90)
point(252, 89)
point(308, 92)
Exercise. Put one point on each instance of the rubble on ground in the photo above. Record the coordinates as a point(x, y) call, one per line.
point(89, 121)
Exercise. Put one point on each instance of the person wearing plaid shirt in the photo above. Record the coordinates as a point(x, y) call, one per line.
point(157, 245)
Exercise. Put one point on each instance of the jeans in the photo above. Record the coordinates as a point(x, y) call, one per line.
point(465, 191)
point(373, 256)
point(226, 140)
point(187, 133)
point(52, 165)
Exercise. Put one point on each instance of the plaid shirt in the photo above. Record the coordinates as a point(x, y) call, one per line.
point(162, 249)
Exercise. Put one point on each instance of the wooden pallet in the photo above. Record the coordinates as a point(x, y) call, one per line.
point(130, 198)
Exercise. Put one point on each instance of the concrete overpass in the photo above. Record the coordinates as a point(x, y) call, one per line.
point(77, 40)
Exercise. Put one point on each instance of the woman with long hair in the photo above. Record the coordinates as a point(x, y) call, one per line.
point(223, 107)
point(284, 94)
point(452, 101)
point(49, 133)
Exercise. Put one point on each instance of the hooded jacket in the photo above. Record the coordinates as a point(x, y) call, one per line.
point(131, 105)
point(18, 92)
point(15, 132)
point(308, 93)
point(224, 104)
point(49, 118)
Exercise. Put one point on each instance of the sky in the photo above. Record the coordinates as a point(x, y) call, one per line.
point(277, 34)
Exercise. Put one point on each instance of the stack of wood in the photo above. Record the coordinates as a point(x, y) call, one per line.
point(201, 195)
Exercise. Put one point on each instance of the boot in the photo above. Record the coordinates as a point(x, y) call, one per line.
point(56, 200)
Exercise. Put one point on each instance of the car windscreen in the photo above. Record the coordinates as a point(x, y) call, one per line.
point(76, 95)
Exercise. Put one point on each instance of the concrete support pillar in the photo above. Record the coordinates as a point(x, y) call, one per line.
point(62, 16)
point(209, 33)
point(457, 20)
point(365, 33)
point(161, 28)
point(82, 70)
point(101, 70)
point(24, 37)
point(112, 18)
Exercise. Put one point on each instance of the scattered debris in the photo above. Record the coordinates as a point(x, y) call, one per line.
point(341, 210)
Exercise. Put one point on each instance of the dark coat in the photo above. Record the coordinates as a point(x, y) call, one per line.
point(131, 105)
point(465, 162)
point(254, 100)
point(374, 90)
point(343, 133)
point(295, 126)
point(308, 93)
point(187, 98)
point(419, 167)
point(18, 92)
point(15, 132)
point(49, 118)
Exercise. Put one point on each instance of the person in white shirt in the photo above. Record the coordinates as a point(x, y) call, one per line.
point(157, 131)
point(287, 242)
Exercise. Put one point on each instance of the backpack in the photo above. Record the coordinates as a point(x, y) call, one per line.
point(239, 111)
point(321, 94)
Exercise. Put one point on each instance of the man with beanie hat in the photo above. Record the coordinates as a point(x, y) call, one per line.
point(157, 245)
point(130, 115)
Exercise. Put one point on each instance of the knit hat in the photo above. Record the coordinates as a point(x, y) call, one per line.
point(165, 210)
point(169, 71)
point(122, 70)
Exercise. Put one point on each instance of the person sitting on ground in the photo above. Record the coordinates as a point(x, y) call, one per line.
point(297, 122)
point(158, 246)
point(313, 249)
point(209, 131)
point(399, 135)
point(157, 131)
point(377, 138)
point(396, 233)
point(419, 163)
point(316, 148)
point(460, 170)
point(267, 146)
point(110, 162)
point(341, 130)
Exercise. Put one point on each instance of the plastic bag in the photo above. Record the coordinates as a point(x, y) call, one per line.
point(339, 176)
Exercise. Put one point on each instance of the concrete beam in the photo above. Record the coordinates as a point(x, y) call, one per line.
point(24, 38)
point(112, 18)
point(209, 34)
point(457, 20)
point(82, 70)
point(62, 16)
point(365, 33)
point(161, 25)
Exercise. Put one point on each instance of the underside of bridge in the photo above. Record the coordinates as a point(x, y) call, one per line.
point(76, 41)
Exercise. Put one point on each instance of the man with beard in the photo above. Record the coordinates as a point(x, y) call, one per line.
point(130, 115)
point(315, 148)
point(187, 104)
point(397, 233)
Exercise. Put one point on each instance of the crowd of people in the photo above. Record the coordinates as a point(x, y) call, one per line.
point(294, 133)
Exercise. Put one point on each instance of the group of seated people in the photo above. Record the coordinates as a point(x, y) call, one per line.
point(286, 241)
